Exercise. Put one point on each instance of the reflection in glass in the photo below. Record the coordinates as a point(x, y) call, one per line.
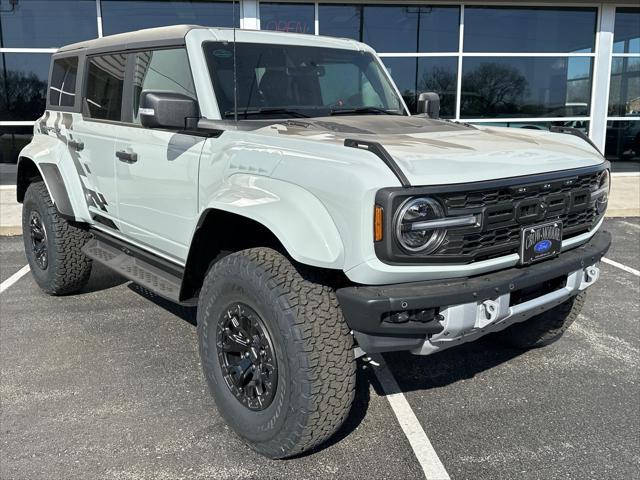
point(626, 36)
point(624, 90)
point(23, 85)
point(623, 144)
point(518, 86)
point(411, 28)
point(28, 23)
point(416, 75)
point(288, 17)
point(343, 21)
point(582, 125)
point(299, 81)
point(529, 29)
point(12, 140)
point(126, 15)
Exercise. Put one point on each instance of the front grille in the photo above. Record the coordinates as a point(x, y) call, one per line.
point(506, 210)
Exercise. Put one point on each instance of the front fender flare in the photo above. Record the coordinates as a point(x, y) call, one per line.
point(296, 217)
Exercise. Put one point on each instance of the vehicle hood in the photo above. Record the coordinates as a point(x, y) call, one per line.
point(432, 152)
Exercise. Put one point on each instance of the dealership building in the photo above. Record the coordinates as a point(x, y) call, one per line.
point(517, 64)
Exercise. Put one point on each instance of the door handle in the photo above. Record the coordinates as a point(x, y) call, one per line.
point(127, 157)
point(77, 146)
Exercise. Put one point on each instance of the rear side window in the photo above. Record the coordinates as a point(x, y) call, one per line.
point(166, 70)
point(105, 81)
point(62, 90)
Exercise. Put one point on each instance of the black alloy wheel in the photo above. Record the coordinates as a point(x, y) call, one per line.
point(246, 356)
point(38, 235)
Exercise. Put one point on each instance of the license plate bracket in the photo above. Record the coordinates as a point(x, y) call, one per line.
point(539, 242)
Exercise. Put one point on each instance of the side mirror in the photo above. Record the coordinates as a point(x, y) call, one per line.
point(167, 109)
point(429, 103)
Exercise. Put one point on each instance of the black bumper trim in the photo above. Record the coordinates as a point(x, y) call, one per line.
point(364, 306)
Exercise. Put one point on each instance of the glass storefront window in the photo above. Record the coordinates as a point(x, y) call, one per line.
point(626, 36)
point(12, 140)
point(424, 74)
point(23, 85)
point(411, 28)
point(343, 21)
point(623, 144)
point(526, 87)
point(126, 15)
point(399, 29)
point(529, 29)
point(624, 89)
point(288, 17)
point(582, 125)
point(46, 23)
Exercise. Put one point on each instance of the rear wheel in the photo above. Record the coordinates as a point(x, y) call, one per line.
point(276, 352)
point(52, 244)
point(545, 328)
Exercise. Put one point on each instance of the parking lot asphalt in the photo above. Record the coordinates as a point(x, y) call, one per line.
point(107, 384)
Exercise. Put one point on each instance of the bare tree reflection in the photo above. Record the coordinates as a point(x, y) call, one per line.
point(493, 89)
point(22, 95)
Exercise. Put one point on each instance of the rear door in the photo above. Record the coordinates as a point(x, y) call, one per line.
point(157, 170)
point(96, 133)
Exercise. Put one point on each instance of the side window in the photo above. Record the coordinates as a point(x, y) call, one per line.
point(62, 89)
point(165, 70)
point(105, 81)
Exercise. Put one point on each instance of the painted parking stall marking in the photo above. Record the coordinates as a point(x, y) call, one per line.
point(425, 453)
point(621, 266)
point(14, 278)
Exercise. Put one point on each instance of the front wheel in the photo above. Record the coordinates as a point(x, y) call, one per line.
point(53, 245)
point(276, 352)
point(545, 328)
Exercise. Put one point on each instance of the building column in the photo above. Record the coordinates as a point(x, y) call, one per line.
point(602, 76)
point(249, 18)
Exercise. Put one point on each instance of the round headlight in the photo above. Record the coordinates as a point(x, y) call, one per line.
point(412, 235)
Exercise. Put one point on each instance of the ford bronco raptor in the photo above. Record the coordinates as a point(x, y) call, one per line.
point(278, 182)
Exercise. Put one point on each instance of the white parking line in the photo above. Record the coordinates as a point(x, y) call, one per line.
point(427, 457)
point(621, 266)
point(14, 278)
point(629, 224)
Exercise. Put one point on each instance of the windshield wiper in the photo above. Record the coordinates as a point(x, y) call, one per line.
point(267, 111)
point(343, 111)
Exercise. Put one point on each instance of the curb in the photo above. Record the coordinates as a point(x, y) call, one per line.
point(9, 231)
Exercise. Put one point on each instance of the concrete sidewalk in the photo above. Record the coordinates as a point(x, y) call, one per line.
point(624, 202)
point(10, 211)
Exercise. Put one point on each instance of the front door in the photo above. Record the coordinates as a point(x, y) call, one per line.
point(157, 170)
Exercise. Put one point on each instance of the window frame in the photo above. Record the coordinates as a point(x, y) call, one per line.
point(85, 84)
point(77, 101)
point(126, 117)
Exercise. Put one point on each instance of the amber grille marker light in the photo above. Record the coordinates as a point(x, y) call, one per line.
point(377, 223)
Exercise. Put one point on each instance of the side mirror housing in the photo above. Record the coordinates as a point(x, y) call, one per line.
point(167, 110)
point(429, 103)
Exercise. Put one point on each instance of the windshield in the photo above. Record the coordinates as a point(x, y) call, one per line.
point(299, 81)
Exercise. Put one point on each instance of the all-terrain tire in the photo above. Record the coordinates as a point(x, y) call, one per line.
point(545, 328)
point(67, 268)
point(313, 350)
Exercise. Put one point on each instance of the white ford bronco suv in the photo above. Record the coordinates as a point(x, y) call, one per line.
point(278, 182)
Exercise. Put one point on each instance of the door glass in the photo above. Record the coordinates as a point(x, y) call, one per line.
point(104, 87)
point(62, 91)
point(166, 70)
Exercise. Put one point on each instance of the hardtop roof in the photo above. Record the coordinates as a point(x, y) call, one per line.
point(175, 35)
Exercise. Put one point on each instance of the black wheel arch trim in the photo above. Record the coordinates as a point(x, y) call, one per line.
point(53, 180)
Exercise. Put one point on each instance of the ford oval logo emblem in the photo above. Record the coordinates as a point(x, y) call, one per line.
point(542, 246)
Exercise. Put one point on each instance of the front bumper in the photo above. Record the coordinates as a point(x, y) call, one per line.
point(443, 313)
